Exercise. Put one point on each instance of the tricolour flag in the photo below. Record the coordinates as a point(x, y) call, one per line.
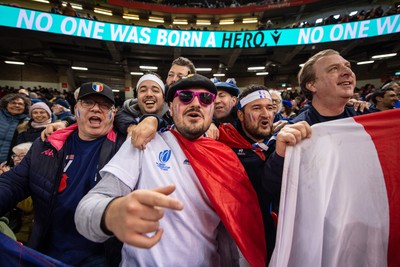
point(340, 198)
point(98, 87)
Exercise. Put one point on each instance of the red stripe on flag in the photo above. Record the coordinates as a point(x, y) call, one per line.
point(384, 129)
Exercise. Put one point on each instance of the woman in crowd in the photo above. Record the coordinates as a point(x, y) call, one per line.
point(41, 116)
point(13, 111)
point(21, 217)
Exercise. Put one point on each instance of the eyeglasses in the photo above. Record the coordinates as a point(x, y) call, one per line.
point(186, 97)
point(16, 103)
point(89, 103)
point(276, 101)
point(18, 156)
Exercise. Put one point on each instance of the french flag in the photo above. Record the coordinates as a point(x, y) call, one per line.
point(97, 87)
point(340, 198)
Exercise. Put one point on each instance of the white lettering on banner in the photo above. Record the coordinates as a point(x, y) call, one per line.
point(132, 37)
point(98, 30)
point(385, 23)
point(145, 33)
point(39, 20)
point(29, 21)
point(211, 40)
point(117, 34)
point(68, 26)
point(305, 34)
point(179, 38)
point(85, 26)
point(161, 37)
point(364, 29)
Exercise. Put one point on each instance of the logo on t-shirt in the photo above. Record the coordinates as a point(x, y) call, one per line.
point(163, 157)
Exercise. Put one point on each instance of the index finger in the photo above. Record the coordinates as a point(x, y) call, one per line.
point(158, 197)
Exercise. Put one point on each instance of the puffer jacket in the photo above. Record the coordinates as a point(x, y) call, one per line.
point(39, 175)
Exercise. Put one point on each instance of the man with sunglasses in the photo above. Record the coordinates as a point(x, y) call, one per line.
point(58, 172)
point(168, 203)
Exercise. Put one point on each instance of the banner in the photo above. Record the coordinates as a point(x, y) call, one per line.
point(80, 27)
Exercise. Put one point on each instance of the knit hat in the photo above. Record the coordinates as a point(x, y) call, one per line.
point(41, 105)
point(62, 102)
point(96, 88)
point(228, 86)
point(192, 81)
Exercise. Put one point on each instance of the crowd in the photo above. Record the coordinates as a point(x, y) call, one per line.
point(190, 159)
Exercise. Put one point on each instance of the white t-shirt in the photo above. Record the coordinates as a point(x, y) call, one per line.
point(189, 237)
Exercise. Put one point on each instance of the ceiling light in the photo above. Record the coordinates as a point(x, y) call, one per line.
point(219, 75)
point(256, 68)
point(115, 91)
point(365, 62)
point(180, 22)
point(203, 69)
point(384, 56)
point(203, 22)
point(336, 16)
point(397, 73)
point(103, 11)
point(156, 19)
point(137, 73)
point(226, 22)
point(250, 20)
point(130, 16)
point(320, 20)
point(14, 62)
point(79, 68)
point(353, 13)
point(262, 73)
point(75, 6)
point(42, 1)
point(148, 67)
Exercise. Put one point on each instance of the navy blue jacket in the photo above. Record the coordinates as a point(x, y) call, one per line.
point(312, 116)
point(39, 175)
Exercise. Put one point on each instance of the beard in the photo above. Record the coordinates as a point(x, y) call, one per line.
point(255, 131)
point(192, 131)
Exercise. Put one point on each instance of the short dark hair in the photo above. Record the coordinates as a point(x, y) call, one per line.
point(10, 97)
point(380, 93)
point(185, 62)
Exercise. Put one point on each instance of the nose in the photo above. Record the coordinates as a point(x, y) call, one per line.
point(196, 101)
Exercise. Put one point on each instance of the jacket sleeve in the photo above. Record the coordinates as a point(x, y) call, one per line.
point(123, 120)
point(91, 208)
point(14, 185)
point(273, 170)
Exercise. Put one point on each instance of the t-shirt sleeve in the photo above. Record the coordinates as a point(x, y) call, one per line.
point(125, 165)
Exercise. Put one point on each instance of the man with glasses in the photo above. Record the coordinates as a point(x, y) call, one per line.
point(58, 172)
point(200, 182)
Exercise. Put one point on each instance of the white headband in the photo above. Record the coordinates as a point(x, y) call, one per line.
point(260, 94)
point(151, 77)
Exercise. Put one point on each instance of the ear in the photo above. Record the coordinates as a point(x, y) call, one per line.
point(310, 86)
point(240, 115)
point(234, 100)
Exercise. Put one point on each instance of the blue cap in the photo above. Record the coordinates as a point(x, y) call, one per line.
point(228, 86)
point(287, 103)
